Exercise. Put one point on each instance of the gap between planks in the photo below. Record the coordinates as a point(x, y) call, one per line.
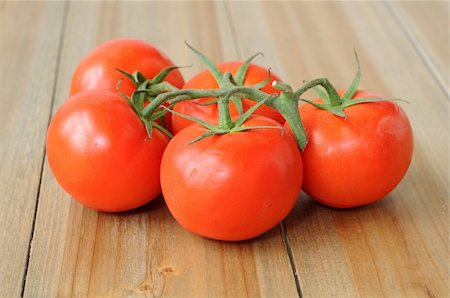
point(419, 48)
point(55, 83)
point(287, 244)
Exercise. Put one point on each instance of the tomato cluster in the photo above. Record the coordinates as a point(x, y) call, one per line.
point(127, 132)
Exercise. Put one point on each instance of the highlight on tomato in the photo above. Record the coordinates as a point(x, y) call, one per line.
point(244, 74)
point(101, 154)
point(99, 68)
point(231, 186)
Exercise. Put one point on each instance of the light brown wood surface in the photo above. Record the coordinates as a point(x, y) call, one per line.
point(51, 246)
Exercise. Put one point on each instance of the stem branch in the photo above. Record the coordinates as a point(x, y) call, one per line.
point(225, 121)
point(335, 99)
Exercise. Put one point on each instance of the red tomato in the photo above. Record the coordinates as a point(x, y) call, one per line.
point(355, 161)
point(97, 70)
point(100, 153)
point(234, 186)
point(205, 80)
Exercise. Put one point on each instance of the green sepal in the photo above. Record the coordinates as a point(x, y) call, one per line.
point(356, 101)
point(322, 94)
point(336, 104)
point(331, 98)
point(316, 104)
point(158, 114)
point(120, 91)
point(128, 75)
point(137, 100)
point(233, 130)
point(242, 71)
point(262, 83)
point(136, 77)
point(245, 128)
point(163, 74)
point(211, 66)
point(249, 112)
point(350, 92)
point(196, 120)
point(351, 102)
point(224, 79)
point(153, 86)
point(227, 79)
point(156, 89)
point(209, 133)
point(144, 86)
point(139, 78)
point(162, 129)
point(338, 111)
point(148, 127)
point(237, 101)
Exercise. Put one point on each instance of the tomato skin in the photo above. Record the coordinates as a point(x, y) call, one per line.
point(97, 70)
point(209, 113)
point(100, 153)
point(359, 160)
point(234, 186)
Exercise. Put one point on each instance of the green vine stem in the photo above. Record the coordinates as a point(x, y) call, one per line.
point(286, 103)
point(326, 84)
point(332, 101)
point(225, 121)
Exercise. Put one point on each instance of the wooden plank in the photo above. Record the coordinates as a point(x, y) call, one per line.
point(145, 252)
point(399, 246)
point(427, 25)
point(28, 58)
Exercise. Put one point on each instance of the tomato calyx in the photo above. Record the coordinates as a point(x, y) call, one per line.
point(332, 101)
point(146, 91)
point(227, 92)
point(226, 124)
point(227, 80)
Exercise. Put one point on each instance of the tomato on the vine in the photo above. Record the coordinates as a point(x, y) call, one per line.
point(232, 186)
point(358, 159)
point(100, 153)
point(98, 69)
point(204, 80)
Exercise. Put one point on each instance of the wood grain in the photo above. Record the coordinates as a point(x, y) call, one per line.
point(144, 252)
point(27, 63)
point(427, 26)
point(51, 246)
point(399, 246)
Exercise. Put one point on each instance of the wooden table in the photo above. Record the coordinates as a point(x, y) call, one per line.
point(52, 246)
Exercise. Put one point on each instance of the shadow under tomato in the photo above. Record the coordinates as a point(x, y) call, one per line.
point(311, 219)
point(270, 235)
point(154, 206)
